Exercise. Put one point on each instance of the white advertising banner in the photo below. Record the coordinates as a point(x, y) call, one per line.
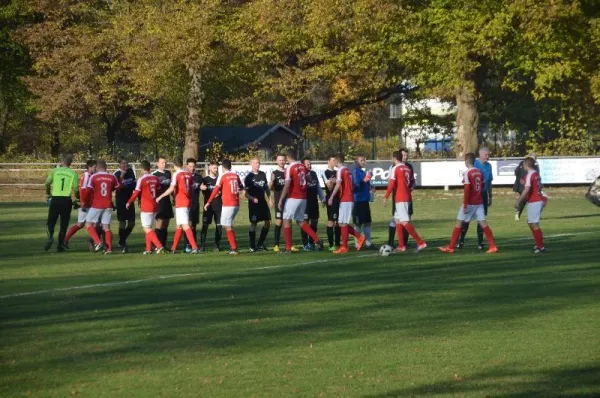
point(569, 170)
point(439, 174)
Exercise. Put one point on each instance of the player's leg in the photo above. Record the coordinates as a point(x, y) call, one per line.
point(252, 233)
point(289, 211)
point(183, 220)
point(218, 229)
point(264, 232)
point(410, 213)
point(314, 225)
point(299, 217)
point(304, 235)
point(207, 217)
point(344, 219)
point(392, 231)
point(53, 214)
point(482, 224)
point(147, 219)
point(227, 216)
point(479, 228)
point(81, 216)
point(92, 222)
point(400, 215)
point(330, 226)
point(408, 227)
point(462, 218)
point(105, 220)
point(65, 218)
point(534, 213)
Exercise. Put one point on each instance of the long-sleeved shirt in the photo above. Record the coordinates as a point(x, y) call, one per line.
point(361, 189)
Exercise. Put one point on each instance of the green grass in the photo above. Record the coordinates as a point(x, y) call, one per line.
point(427, 324)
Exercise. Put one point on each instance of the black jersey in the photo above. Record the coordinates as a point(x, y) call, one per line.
point(164, 179)
point(327, 176)
point(195, 191)
point(256, 185)
point(127, 181)
point(278, 183)
point(210, 183)
point(312, 189)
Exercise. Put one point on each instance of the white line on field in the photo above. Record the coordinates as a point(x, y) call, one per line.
point(154, 278)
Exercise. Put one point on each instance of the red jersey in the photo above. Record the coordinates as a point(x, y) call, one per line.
point(182, 181)
point(147, 186)
point(401, 179)
point(473, 180)
point(229, 184)
point(103, 185)
point(345, 176)
point(534, 181)
point(296, 174)
point(85, 195)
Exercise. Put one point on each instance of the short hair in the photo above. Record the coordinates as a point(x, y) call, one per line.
point(145, 165)
point(470, 158)
point(290, 154)
point(360, 155)
point(397, 155)
point(67, 159)
point(178, 162)
point(484, 149)
point(214, 163)
point(331, 156)
point(122, 159)
point(403, 150)
point(190, 160)
point(340, 157)
point(102, 164)
point(304, 159)
point(529, 162)
point(281, 154)
point(226, 163)
point(90, 163)
point(161, 157)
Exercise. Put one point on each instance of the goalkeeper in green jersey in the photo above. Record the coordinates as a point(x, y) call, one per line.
point(60, 184)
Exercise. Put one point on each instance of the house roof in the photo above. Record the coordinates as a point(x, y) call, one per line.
point(235, 138)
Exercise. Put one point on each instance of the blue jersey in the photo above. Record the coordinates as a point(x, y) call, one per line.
point(361, 190)
point(486, 172)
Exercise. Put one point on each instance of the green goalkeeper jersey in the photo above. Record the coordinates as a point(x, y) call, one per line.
point(62, 181)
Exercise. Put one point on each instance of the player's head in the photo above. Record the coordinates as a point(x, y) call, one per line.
point(470, 159)
point(91, 166)
point(101, 166)
point(331, 161)
point(290, 155)
point(484, 154)
point(161, 162)
point(340, 159)
point(67, 160)
point(532, 155)
point(145, 165)
point(190, 165)
point(307, 163)
point(255, 163)
point(280, 161)
point(361, 160)
point(397, 157)
point(529, 163)
point(226, 163)
point(404, 153)
point(178, 163)
point(213, 167)
point(123, 165)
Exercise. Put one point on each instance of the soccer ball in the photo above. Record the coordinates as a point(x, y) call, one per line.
point(385, 250)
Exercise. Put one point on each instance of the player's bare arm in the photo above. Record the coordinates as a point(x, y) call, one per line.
point(337, 188)
point(284, 193)
point(169, 191)
point(523, 196)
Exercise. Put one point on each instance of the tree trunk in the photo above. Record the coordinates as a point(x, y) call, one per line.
point(55, 145)
point(467, 121)
point(194, 106)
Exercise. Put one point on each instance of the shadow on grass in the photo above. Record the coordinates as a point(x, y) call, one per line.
point(515, 383)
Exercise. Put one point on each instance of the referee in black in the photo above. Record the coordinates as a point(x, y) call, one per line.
point(60, 185)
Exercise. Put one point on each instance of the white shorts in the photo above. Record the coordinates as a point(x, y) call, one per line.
point(82, 215)
point(147, 219)
point(345, 212)
point(534, 212)
point(472, 211)
point(294, 209)
point(103, 216)
point(401, 212)
point(182, 216)
point(228, 214)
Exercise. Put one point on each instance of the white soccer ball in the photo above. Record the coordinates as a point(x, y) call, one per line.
point(385, 250)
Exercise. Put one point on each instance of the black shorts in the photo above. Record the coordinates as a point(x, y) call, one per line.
point(211, 214)
point(361, 213)
point(124, 214)
point(258, 212)
point(278, 211)
point(312, 210)
point(165, 209)
point(195, 215)
point(333, 211)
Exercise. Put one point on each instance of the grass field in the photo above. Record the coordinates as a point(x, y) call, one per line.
point(311, 324)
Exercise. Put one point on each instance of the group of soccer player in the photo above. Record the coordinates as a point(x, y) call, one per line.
point(293, 191)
